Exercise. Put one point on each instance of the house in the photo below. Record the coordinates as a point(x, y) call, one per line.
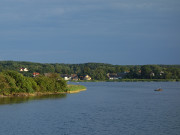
point(161, 73)
point(115, 76)
point(66, 77)
point(81, 77)
point(152, 74)
point(121, 75)
point(23, 69)
point(112, 76)
point(87, 77)
point(74, 77)
point(35, 74)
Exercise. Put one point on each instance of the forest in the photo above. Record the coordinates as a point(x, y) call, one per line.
point(12, 82)
point(97, 71)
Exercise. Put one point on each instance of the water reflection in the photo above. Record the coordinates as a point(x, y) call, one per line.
point(15, 100)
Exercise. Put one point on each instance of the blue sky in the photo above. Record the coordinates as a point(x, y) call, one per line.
point(123, 32)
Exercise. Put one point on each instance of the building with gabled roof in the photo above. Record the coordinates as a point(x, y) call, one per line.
point(87, 77)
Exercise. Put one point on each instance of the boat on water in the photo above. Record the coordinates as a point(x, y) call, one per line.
point(158, 89)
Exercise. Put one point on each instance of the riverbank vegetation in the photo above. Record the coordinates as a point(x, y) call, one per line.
point(23, 99)
point(14, 83)
point(75, 88)
point(98, 71)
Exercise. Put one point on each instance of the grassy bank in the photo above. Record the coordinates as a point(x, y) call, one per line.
point(75, 88)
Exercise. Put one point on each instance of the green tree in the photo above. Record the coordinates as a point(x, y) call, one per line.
point(100, 74)
point(146, 72)
point(156, 70)
point(4, 85)
point(86, 70)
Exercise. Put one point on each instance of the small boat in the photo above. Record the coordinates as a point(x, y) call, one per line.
point(158, 89)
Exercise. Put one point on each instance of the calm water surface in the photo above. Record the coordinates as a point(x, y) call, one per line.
point(106, 108)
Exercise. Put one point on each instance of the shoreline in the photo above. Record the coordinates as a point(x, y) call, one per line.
point(132, 80)
point(76, 91)
point(70, 89)
point(40, 93)
point(30, 94)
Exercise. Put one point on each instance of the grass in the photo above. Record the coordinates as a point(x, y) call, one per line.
point(77, 88)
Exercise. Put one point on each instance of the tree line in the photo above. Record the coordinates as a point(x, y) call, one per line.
point(12, 82)
point(97, 71)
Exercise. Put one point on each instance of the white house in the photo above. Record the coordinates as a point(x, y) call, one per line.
point(21, 69)
point(25, 69)
point(66, 77)
point(87, 77)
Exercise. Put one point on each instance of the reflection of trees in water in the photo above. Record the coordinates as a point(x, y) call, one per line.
point(15, 100)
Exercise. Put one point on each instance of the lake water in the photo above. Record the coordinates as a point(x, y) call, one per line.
point(106, 108)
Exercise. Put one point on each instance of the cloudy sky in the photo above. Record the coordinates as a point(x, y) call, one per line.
point(122, 32)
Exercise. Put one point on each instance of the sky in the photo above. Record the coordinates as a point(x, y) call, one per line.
point(120, 32)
